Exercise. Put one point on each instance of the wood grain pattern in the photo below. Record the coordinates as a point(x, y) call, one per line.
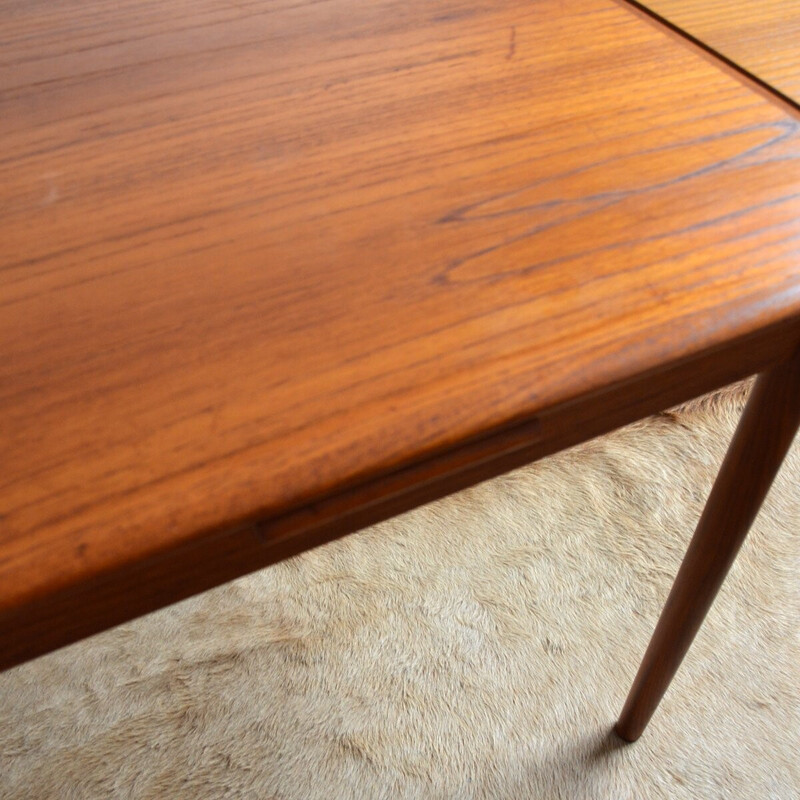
point(762, 440)
point(760, 36)
point(273, 271)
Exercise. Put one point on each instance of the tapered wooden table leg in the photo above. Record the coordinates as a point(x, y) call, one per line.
point(763, 437)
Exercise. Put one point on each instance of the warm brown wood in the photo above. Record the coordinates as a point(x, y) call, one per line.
point(271, 272)
point(765, 433)
point(760, 36)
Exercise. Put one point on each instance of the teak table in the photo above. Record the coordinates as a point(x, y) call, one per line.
point(274, 271)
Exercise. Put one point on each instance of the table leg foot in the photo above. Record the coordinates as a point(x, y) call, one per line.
point(762, 439)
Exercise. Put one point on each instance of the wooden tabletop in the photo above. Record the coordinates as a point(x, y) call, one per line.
point(760, 36)
point(273, 271)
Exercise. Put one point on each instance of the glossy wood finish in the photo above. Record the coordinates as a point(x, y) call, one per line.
point(274, 271)
point(760, 36)
point(766, 431)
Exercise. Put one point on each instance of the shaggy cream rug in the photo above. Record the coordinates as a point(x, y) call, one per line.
point(479, 647)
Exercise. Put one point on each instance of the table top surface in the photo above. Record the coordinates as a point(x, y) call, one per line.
point(256, 253)
point(760, 36)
